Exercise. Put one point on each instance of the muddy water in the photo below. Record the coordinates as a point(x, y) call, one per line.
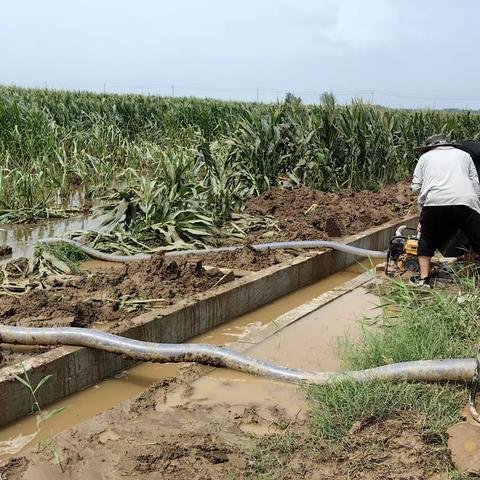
point(22, 238)
point(251, 321)
point(314, 341)
point(108, 393)
point(311, 343)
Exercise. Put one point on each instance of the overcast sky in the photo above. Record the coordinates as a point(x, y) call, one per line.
point(401, 52)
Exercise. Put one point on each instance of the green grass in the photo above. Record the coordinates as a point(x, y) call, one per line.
point(335, 409)
point(441, 323)
point(57, 258)
point(419, 325)
point(437, 324)
point(273, 454)
point(68, 253)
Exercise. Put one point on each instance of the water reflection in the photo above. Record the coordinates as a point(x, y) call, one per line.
point(22, 238)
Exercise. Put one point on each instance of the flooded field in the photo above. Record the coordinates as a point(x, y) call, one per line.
point(22, 238)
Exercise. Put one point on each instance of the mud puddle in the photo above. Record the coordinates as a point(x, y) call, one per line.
point(220, 385)
point(22, 238)
point(238, 328)
point(310, 343)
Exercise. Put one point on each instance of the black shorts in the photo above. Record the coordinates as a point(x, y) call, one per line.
point(439, 224)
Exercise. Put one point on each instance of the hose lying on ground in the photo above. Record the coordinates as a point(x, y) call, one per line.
point(341, 247)
point(422, 370)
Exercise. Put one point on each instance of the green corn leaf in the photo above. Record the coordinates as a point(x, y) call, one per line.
point(42, 382)
point(22, 381)
point(52, 413)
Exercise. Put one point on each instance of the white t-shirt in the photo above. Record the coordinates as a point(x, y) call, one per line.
point(446, 176)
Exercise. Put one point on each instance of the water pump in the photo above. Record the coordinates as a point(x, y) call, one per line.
point(402, 251)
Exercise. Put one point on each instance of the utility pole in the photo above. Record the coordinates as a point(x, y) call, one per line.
point(373, 97)
point(257, 94)
point(104, 87)
point(173, 90)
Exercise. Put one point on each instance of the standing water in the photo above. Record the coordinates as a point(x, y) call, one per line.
point(22, 238)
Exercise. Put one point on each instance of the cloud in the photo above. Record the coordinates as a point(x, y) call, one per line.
point(362, 25)
point(400, 46)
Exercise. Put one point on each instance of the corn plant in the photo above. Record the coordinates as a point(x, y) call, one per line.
point(55, 141)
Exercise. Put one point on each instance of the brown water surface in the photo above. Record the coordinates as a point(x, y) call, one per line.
point(22, 238)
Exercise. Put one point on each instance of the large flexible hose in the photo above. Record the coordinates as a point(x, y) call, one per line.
point(341, 247)
point(422, 370)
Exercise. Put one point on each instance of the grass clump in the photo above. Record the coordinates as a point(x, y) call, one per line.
point(272, 456)
point(56, 259)
point(63, 251)
point(416, 325)
point(337, 408)
point(68, 253)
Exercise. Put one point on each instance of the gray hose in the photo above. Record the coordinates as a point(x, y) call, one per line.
point(341, 247)
point(422, 370)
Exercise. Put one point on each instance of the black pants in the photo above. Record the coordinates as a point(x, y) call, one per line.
point(441, 223)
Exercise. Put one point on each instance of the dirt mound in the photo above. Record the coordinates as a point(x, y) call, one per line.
point(165, 278)
point(306, 214)
point(106, 296)
point(246, 259)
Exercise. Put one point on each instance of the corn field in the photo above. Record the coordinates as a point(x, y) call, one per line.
point(181, 165)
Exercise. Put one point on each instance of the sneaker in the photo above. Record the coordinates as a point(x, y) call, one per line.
point(421, 282)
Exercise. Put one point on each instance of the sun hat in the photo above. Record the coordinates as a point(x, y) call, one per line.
point(438, 140)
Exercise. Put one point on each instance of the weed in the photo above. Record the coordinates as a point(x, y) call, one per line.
point(49, 444)
point(440, 324)
point(57, 258)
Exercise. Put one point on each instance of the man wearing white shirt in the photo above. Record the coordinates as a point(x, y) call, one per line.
point(449, 195)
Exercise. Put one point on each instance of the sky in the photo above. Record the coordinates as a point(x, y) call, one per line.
point(401, 53)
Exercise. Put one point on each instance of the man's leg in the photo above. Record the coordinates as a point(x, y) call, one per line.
point(432, 223)
point(469, 222)
point(424, 266)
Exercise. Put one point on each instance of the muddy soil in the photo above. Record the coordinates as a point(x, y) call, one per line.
point(153, 437)
point(246, 259)
point(108, 296)
point(307, 214)
point(105, 297)
point(5, 250)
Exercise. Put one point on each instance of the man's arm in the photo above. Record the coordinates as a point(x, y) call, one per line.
point(418, 176)
point(473, 175)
